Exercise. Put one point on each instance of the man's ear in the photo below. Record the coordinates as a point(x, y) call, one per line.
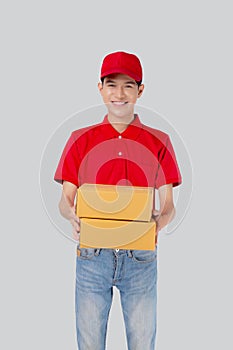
point(140, 90)
point(100, 86)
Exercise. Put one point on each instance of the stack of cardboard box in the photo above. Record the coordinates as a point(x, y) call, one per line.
point(116, 217)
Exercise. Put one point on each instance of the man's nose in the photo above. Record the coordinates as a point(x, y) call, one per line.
point(119, 92)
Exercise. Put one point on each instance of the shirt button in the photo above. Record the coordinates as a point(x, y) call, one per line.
point(119, 153)
point(119, 137)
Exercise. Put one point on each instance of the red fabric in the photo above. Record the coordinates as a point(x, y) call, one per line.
point(91, 155)
point(122, 62)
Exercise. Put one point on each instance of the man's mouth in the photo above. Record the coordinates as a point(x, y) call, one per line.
point(119, 103)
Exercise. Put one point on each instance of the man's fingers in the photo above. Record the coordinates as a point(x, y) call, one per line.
point(155, 212)
point(75, 224)
point(76, 219)
point(76, 234)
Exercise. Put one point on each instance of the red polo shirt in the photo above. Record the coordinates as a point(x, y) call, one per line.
point(139, 156)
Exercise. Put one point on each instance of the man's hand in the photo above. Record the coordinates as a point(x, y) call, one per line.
point(167, 210)
point(156, 215)
point(162, 220)
point(75, 222)
point(67, 207)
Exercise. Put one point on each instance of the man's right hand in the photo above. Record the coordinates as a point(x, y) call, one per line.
point(67, 207)
point(75, 222)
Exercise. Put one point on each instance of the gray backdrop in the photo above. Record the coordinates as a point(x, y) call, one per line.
point(51, 53)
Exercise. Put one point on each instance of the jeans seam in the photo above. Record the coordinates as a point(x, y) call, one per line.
point(143, 261)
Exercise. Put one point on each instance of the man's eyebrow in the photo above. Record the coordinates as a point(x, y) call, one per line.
point(130, 82)
point(108, 80)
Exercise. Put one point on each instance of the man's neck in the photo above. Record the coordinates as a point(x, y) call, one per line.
point(119, 124)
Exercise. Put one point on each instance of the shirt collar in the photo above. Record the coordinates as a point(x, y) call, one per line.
point(131, 132)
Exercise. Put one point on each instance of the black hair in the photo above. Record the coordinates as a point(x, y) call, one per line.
point(138, 82)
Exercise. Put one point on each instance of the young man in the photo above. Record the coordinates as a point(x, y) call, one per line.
point(118, 151)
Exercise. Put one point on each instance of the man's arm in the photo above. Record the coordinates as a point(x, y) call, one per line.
point(67, 206)
point(167, 209)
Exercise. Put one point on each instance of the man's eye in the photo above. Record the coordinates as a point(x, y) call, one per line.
point(111, 85)
point(128, 86)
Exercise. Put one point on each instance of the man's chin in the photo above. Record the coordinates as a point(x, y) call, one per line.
point(125, 113)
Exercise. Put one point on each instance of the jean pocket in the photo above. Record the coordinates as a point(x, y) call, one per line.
point(86, 253)
point(144, 256)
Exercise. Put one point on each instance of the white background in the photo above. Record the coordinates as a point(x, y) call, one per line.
point(51, 53)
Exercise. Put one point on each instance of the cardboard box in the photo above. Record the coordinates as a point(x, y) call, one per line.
point(115, 202)
point(117, 234)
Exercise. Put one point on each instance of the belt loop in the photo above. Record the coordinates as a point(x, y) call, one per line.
point(129, 253)
point(78, 250)
point(97, 251)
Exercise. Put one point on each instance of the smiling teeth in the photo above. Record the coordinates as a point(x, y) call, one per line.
point(119, 103)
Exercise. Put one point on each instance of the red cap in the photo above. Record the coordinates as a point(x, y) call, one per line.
point(122, 62)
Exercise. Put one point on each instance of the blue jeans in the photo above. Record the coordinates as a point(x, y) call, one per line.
point(134, 273)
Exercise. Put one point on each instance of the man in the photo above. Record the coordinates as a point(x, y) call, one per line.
point(119, 151)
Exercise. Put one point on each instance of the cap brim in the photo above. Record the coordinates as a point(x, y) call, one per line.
point(121, 71)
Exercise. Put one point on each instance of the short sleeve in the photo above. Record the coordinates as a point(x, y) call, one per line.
point(168, 169)
point(68, 166)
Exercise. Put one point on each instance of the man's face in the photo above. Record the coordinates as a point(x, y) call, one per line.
point(120, 93)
